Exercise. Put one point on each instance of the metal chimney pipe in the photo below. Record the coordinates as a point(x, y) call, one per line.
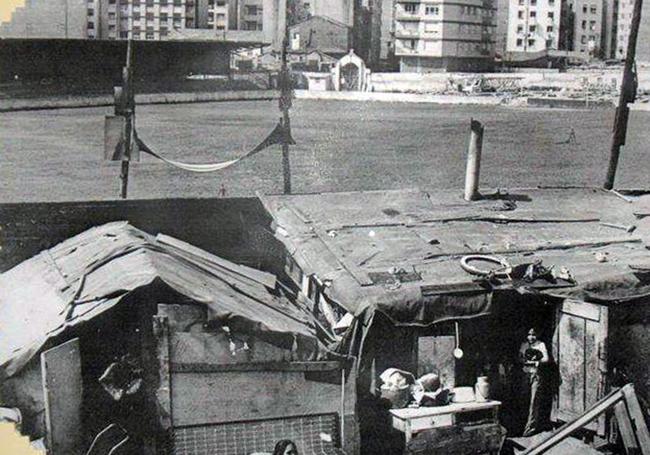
point(474, 161)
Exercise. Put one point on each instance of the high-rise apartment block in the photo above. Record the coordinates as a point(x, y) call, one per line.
point(144, 19)
point(434, 35)
point(533, 25)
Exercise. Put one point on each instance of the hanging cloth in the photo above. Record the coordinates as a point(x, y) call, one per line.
point(279, 135)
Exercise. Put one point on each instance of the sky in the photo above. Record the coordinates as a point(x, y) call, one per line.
point(7, 6)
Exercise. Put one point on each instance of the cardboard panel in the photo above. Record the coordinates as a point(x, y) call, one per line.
point(62, 388)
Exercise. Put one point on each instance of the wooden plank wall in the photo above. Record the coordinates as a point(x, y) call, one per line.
point(209, 398)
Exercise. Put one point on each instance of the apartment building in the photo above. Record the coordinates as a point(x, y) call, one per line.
point(588, 36)
point(145, 19)
point(533, 25)
point(443, 35)
point(49, 19)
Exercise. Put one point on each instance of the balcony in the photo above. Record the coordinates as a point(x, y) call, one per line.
point(404, 16)
point(407, 34)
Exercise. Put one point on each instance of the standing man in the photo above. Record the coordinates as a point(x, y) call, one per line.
point(532, 354)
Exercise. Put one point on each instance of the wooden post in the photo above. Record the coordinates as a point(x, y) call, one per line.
point(285, 104)
point(474, 161)
point(129, 112)
point(627, 95)
point(163, 393)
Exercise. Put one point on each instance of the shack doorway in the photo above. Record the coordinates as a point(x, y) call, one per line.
point(490, 345)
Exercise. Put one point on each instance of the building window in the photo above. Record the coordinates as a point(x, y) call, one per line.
point(520, 28)
point(412, 44)
point(164, 17)
point(520, 14)
point(111, 27)
point(432, 10)
point(91, 25)
point(520, 42)
point(124, 34)
point(549, 43)
point(533, 14)
point(584, 9)
point(91, 12)
point(532, 28)
point(533, 2)
point(150, 35)
point(549, 28)
point(410, 8)
point(551, 2)
point(531, 42)
point(584, 25)
point(149, 16)
point(521, 2)
point(111, 2)
point(111, 16)
point(583, 39)
point(593, 9)
point(551, 14)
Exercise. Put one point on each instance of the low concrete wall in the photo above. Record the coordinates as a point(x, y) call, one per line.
point(221, 226)
point(400, 97)
point(438, 82)
point(152, 98)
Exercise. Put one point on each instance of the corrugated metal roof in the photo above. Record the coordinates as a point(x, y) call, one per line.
point(91, 272)
point(352, 238)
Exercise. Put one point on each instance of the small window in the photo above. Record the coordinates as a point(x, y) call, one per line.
point(410, 8)
point(520, 28)
point(91, 25)
point(532, 28)
point(583, 40)
point(549, 28)
point(520, 42)
point(533, 14)
point(533, 2)
point(431, 10)
point(91, 12)
point(593, 9)
point(551, 14)
point(520, 14)
point(531, 42)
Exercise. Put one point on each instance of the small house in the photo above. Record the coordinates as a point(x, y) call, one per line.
point(175, 349)
point(395, 266)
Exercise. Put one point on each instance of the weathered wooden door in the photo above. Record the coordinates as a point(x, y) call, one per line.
point(580, 350)
point(62, 389)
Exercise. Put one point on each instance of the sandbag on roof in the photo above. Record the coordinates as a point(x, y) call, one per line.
point(90, 273)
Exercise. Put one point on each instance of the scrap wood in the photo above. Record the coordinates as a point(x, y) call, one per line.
point(541, 247)
point(627, 396)
point(568, 445)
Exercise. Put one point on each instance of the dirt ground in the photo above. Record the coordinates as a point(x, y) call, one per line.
point(341, 146)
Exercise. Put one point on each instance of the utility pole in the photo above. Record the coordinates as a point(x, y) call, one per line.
point(285, 105)
point(627, 95)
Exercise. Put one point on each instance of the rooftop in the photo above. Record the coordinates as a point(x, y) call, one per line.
point(353, 242)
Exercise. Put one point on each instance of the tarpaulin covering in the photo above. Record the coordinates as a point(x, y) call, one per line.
point(399, 252)
point(90, 273)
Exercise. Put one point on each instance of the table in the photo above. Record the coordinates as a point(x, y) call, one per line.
point(468, 427)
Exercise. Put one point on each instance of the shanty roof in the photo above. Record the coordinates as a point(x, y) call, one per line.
point(393, 250)
point(90, 273)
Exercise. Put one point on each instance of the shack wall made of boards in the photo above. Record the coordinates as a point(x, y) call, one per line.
point(237, 393)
